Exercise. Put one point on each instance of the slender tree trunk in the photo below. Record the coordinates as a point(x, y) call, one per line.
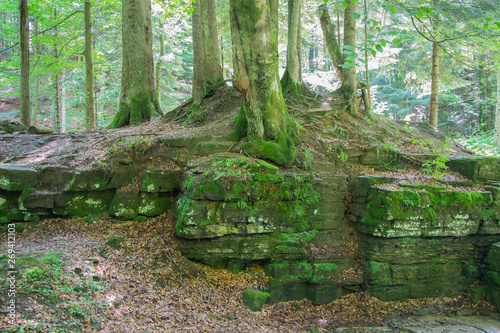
point(25, 62)
point(434, 108)
point(56, 114)
point(198, 55)
point(159, 66)
point(331, 42)
point(338, 30)
point(89, 72)
point(485, 116)
point(292, 82)
point(350, 79)
point(263, 115)
point(64, 110)
point(36, 98)
point(137, 99)
point(56, 119)
point(497, 116)
point(367, 99)
point(211, 55)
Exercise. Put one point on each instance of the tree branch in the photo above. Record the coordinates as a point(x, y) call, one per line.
point(44, 31)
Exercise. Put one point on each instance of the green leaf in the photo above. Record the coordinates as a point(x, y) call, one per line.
point(356, 16)
point(374, 54)
point(351, 57)
point(486, 25)
point(420, 15)
point(396, 42)
point(347, 64)
point(379, 48)
point(344, 4)
point(349, 47)
point(498, 25)
point(384, 44)
point(348, 52)
point(393, 10)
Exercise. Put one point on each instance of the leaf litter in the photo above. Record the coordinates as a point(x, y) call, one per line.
point(148, 286)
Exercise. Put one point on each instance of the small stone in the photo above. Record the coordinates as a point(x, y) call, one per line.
point(254, 299)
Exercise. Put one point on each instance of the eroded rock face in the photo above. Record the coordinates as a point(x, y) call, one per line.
point(318, 236)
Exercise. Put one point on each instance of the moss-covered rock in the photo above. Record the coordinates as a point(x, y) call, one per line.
point(254, 299)
point(478, 169)
point(9, 207)
point(90, 180)
point(16, 177)
point(124, 204)
point(81, 204)
point(158, 180)
point(154, 204)
point(115, 242)
point(426, 211)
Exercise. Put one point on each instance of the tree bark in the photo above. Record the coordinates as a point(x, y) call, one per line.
point(159, 66)
point(263, 115)
point(137, 99)
point(291, 82)
point(434, 108)
point(198, 56)
point(89, 72)
point(36, 97)
point(25, 62)
point(63, 105)
point(367, 99)
point(56, 114)
point(211, 54)
point(497, 116)
point(485, 112)
point(347, 73)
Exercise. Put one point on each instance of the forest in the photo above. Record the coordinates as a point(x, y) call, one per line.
point(250, 166)
point(431, 61)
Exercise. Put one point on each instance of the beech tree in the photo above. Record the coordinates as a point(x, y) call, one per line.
point(343, 58)
point(25, 62)
point(291, 81)
point(89, 72)
point(137, 100)
point(263, 116)
point(208, 74)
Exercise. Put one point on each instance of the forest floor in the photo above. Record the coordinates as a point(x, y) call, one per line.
point(70, 280)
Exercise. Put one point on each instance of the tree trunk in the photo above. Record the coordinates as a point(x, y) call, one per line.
point(263, 115)
point(292, 82)
point(89, 72)
point(331, 43)
point(56, 119)
point(367, 99)
point(211, 55)
point(25, 62)
point(345, 69)
point(56, 116)
point(485, 116)
point(497, 116)
point(434, 85)
point(350, 79)
point(137, 99)
point(159, 66)
point(198, 56)
point(36, 97)
point(64, 99)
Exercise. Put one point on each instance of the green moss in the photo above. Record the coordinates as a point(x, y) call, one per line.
point(240, 124)
point(115, 242)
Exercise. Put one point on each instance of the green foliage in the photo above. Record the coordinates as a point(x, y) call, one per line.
point(436, 167)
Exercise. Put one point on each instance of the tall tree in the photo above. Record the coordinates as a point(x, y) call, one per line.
point(343, 59)
point(198, 56)
point(292, 82)
point(137, 99)
point(25, 62)
point(208, 74)
point(89, 72)
point(497, 116)
point(434, 107)
point(263, 116)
